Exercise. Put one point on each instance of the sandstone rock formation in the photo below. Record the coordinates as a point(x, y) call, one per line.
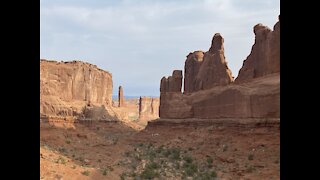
point(172, 83)
point(191, 70)
point(209, 69)
point(120, 97)
point(209, 88)
point(264, 57)
point(214, 70)
point(67, 87)
point(148, 108)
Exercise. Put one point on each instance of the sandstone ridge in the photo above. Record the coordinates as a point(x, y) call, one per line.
point(66, 88)
point(210, 90)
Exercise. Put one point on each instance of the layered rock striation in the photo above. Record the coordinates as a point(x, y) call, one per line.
point(210, 90)
point(67, 87)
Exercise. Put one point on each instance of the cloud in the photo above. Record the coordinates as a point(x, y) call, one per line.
point(141, 41)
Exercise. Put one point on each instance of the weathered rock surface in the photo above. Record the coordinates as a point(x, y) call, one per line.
point(264, 57)
point(67, 87)
point(148, 108)
point(191, 70)
point(172, 83)
point(256, 99)
point(120, 97)
point(209, 69)
point(209, 88)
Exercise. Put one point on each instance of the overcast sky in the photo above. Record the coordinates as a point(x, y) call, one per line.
point(141, 41)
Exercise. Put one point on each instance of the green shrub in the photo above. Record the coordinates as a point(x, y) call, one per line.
point(149, 174)
point(61, 160)
point(188, 159)
point(213, 174)
point(104, 172)
point(86, 173)
point(209, 160)
point(175, 154)
point(63, 150)
point(250, 169)
point(250, 157)
point(207, 175)
point(152, 165)
point(190, 169)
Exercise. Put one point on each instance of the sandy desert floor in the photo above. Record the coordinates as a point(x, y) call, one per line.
point(117, 151)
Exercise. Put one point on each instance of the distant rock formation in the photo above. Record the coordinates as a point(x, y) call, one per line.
point(264, 58)
point(148, 108)
point(67, 87)
point(209, 89)
point(120, 97)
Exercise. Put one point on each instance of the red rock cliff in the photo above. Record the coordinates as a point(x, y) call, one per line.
point(264, 58)
point(67, 87)
point(209, 88)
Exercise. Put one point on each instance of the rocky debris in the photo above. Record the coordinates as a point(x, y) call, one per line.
point(209, 88)
point(120, 97)
point(66, 87)
point(148, 108)
point(264, 58)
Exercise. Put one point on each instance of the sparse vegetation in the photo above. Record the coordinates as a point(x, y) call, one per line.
point(68, 141)
point(61, 160)
point(115, 141)
point(250, 169)
point(104, 171)
point(209, 161)
point(86, 173)
point(162, 162)
point(63, 150)
point(250, 157)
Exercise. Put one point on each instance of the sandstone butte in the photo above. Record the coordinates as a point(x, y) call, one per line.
point(79, 90)
point(210, 90)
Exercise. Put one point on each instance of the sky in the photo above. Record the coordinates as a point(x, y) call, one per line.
point(140, 41)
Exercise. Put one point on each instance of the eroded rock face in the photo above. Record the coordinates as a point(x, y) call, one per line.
point(148, 108)
point(209, 91)
point(66, 87)
point(120, 97)
point(172, 83)
point(264, 58)
point(209, 69)
point(214, 70)
point(191, 70)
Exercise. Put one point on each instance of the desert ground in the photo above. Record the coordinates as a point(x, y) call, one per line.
point(183, 151)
